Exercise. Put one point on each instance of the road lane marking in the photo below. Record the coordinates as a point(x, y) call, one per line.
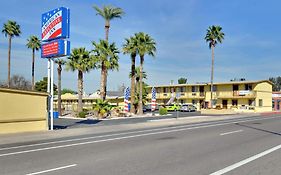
point(132, 132)
point(226, 133)
point(54, 169)
point(245, 161)
point(197, 126)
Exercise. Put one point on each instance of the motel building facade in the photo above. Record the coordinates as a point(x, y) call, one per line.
point(239, 96)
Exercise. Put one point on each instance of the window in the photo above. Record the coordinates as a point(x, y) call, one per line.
point(260, 103)
point(194, 102)
point(157, 90)
point(182, 101)
point(214, 88)
point(194, 89)
point(182, 89)
point(165, 90)
point(248, 87)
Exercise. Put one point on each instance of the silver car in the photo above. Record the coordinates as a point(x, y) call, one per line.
point(188, 108)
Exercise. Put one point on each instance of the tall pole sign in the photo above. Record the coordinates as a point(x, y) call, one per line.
point(54, 32)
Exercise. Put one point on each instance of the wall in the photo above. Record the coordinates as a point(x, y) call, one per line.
point(22, 111)
point(264, 92)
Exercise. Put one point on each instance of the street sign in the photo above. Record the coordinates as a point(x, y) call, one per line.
point(56, 48)
point(54, 32)
point(55, 24)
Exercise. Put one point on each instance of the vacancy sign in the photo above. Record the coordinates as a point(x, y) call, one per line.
point(56, 48)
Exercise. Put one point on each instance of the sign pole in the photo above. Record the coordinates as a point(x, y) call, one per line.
point(52, 95)
point(48, 91)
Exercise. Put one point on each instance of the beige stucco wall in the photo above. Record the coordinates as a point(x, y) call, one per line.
point(264, 92)
point(22, 111)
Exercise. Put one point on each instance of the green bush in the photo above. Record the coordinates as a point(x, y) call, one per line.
point(163, 111)
point(82, 114)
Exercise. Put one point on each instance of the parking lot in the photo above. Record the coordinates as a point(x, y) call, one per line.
point(64, 123)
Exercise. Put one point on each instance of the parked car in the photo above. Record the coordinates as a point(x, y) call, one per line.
point(173, 107)
point(147, 108)
point(188, 108)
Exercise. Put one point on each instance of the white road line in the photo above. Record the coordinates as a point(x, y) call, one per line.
point(54, 169)
point(132, 132)
point(245, 161)
point(226, 133)
point(117, 138)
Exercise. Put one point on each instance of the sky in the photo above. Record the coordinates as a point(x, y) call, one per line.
point(250, 50)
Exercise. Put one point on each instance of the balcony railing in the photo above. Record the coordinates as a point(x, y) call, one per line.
point(236, 94)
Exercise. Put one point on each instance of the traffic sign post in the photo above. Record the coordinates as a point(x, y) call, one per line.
point(55, 29)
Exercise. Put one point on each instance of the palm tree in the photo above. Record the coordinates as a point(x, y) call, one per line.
point(146, 45)
point(130, 47)
point(80, 60)
point(108, 13)
point(213, 36)
point(137, 87)
point(10, 30)
point(60, 63)
point(137, 77)
point(35, 44)
point(106, 56)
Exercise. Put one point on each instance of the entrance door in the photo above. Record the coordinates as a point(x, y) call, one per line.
point(224, 104)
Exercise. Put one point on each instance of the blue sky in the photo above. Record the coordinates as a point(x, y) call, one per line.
point(251, 48)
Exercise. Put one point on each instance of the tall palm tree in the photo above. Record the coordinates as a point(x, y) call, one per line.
point(108, 13)
point(137, 77)
point(10, 30)
point(146, 45)
point(130, 47)
point(213, 36)
point(60, 63)
point(80, 60)
point(33, 43)
point(106, 56)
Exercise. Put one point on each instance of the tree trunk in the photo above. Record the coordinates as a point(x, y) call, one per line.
point(103, 81)
point(140, 110)
point(32, 69)
point(59, 89)
point(9, 61)
point(212, 76)
point(80, 90)
point(133, 88)
point(107, 25)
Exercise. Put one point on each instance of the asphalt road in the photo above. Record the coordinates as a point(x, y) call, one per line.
point(247, 146)
point(63, 123)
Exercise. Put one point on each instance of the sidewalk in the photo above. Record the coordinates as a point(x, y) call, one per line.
point(57, 134)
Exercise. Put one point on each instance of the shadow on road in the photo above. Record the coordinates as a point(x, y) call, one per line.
point(259, 129)
point(77, 123)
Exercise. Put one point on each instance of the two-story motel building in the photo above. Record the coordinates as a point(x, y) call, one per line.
point(248, 96)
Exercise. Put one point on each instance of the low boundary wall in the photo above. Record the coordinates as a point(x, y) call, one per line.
point(22, 111)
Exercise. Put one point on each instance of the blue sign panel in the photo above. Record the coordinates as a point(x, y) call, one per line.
point(55, 24)
point(55, 49)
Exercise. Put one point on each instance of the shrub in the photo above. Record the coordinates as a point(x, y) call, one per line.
point(82, 114)
point(102, 108)
point(163, 111)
